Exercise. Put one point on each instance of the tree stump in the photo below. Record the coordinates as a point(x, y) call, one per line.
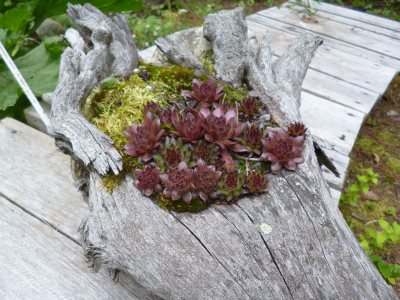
point(287, 243)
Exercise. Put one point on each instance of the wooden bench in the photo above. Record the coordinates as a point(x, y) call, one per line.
point(41, 210)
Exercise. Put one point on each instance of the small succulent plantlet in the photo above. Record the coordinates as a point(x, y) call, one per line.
point(189, 125)
point(171, 153)
point(151, 107)
point(206, 151)
point(166, 116)
point(256, 181)
point(230, 185)
point(205, 180)
point(221, 127)
point(178, 183)
point(205, 93)
point(148, 180)
point(251, 138)
point(296, 129)
point(282, 150)
point(250, 107)
point(144, 139)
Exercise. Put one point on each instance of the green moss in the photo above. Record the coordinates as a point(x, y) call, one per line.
point(195, 205)
point(235, 95)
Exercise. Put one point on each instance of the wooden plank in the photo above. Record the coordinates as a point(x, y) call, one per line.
point(341, 65)
point(357, 15)
point(351, 22)
point(341, 162)
point(37, 177)
point(332, 123)
point(355, 36)
point(40, 263)
point(328, 41)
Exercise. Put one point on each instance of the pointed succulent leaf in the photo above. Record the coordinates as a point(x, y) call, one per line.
point(205, 93)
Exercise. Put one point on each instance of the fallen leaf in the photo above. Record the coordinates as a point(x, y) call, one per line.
point(370, 196)
point(377, 159)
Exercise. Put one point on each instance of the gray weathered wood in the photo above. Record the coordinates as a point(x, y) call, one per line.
point(40, 263)
point(360, 71)
point(357, 36)
point(281, 244)
point(357, 15)
point(321, 13)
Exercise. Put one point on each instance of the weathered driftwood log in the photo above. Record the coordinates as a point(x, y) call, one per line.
point(287, 243)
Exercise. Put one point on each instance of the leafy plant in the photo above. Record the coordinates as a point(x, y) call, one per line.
point(391, 272)
point(355, 190)
point(375, 240)
point(388, 233)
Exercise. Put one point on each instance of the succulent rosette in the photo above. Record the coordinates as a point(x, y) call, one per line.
point(205, 93)
point(189, 125)
point(148, 180)
point(151, 107)
point(178, 183)
point(230, 185)
point(282, 150)
point(256, 181)
point(205, 178)
point(166, 115)
point(171, 153)
point(206, 151)
point(221, 127)
point(143, 139)
point(250, 107)
point(296, 129)
point(251, 138)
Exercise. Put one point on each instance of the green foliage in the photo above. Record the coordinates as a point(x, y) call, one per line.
point(375, 240)
point(40, 69)
point(353, 193)
point(391, 272)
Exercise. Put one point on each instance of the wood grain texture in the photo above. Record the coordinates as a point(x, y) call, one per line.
point(357, 15)
point(283, 244)
point(322, 12)
point(352, 68)
point(356, 36)
point(40, 263)
point(329, 41)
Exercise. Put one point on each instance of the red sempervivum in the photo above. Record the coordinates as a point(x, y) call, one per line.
point(282, 150)
point(205, 180)
point(189, 125)
point(222, 126)
point(179, 183)
point(256, 182)
point(144, 138)
point(250, 107)
point(297, 129)
point(205, 93)
point(166, 115)
point(148, 180)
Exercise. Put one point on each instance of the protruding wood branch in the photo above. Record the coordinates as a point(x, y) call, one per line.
point(227, 32)
point(113, 53)
point(178, 53)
